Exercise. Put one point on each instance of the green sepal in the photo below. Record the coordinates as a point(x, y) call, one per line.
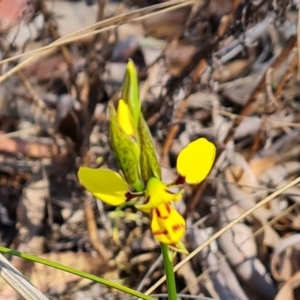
point(179, 247)
point(127, 152)
point(130, 91)
point(149, 163)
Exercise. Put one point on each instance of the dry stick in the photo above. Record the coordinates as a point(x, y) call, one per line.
point(108, 24)
point(34, 96)
point(174, 129)
point(193, 12)
point(224, 229)
point(227, 19)
point(41, 52)
point(88, 209)
point(254, 147)
point(274, 100)
point(298, 77)
point(245, 112)
point(92, 229)
point(101, 6)
point(293, 65)
point(275, 124)
point(269, 87)
point(65, 52)
point(248, 107)
point(200, 66)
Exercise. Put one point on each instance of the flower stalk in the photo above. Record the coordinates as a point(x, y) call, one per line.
point(170, 278)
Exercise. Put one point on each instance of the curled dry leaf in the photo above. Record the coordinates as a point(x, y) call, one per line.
point(285, 259)
point(290, 289)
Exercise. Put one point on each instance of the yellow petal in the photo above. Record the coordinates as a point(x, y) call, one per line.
point(195, 161)
point(124, 118)
point(104, 184)
point(167, 225)
point(156, 194)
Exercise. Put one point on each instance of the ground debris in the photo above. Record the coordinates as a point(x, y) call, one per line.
point(224, 70)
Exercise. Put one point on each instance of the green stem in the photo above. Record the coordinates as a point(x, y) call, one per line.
point(171, 286)
point(58, 266)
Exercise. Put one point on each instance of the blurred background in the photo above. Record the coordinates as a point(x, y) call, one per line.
point(225, 70)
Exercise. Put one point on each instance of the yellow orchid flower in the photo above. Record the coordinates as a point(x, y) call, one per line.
point(134, 150)
point(167, 224)
point(157, 193)
point(192, 165)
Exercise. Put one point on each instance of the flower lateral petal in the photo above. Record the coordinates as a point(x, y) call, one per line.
point(167, 224)
point(195, 161)
point(104, 184)
point(157, 193)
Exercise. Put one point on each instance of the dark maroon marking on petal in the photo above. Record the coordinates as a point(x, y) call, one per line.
point(180, 180)
point(177, 227)
point(159, 232)
point(157, 212)
point(147, 200)
point(168, 209)
point(129, 196)
point(169, 192)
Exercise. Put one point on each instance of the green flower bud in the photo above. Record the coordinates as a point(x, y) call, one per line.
point(126, 150)
point(149, 163)
point(130, 92)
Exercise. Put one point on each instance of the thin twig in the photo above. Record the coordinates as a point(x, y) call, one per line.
point(106, 25)
point(65, 52)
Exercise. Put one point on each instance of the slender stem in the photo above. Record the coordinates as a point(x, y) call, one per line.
point(171, 286)
point(58, 266)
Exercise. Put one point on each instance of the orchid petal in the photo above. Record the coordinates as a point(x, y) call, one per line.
point(104, 184)
point(156, 194)
point(195, 161)
point(167, 224)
